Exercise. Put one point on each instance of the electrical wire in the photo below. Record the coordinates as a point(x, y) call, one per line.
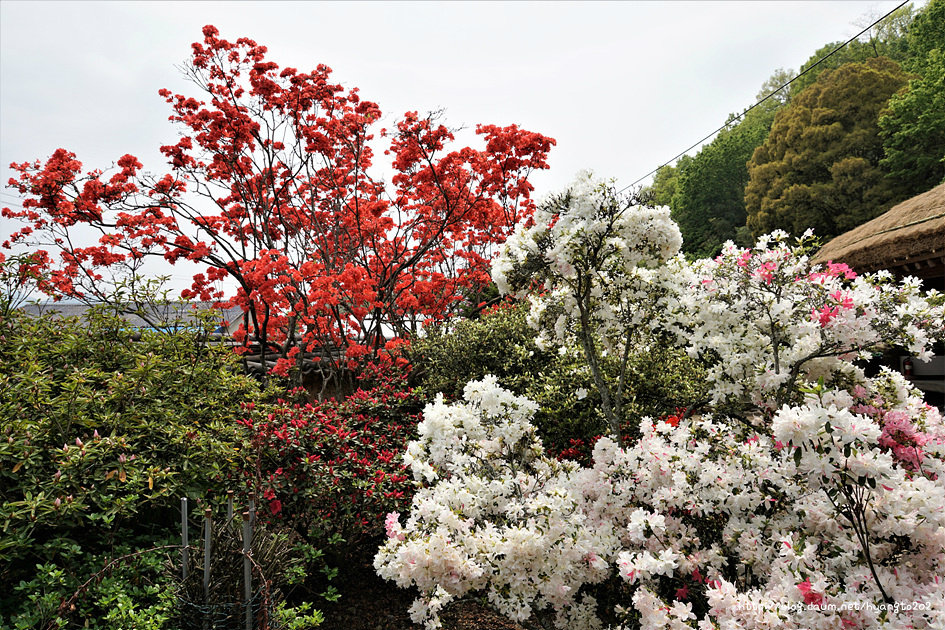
point(738, 117)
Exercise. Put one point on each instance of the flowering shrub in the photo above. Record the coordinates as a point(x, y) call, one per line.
point(696, 516)
point(810, 497)
point(334, 469)
point(493, 514)
point(769, 321)
point(593, 253)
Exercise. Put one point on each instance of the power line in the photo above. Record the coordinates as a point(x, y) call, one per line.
point(8, 200)
point(820, 61)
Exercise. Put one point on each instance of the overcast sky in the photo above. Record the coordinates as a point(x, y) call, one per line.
point(622, 86)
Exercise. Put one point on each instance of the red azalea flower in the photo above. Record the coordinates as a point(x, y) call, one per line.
point(810, 597)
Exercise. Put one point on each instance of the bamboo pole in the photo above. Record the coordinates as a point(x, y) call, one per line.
point(184, 551)
point(207, 534)
point(248, 569)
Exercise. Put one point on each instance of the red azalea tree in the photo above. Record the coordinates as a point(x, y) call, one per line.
point(269, 186)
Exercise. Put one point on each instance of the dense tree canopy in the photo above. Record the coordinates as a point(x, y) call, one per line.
point(913, 127)
point(709, 199)
point(835, 160)
point(926, 33)
point(886, 38)
point(820, 165)
point(665, 181)
point(773, 87)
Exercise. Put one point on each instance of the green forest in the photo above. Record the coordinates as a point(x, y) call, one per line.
point(856, 130)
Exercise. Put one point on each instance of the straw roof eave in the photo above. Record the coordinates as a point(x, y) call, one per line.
point(910, 233)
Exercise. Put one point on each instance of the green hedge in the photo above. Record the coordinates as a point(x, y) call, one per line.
point(104, 430)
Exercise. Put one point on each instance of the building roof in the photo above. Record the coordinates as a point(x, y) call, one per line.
point(908, 240)
point(166, 315)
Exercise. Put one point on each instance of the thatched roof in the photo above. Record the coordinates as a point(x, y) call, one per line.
point(909, 239)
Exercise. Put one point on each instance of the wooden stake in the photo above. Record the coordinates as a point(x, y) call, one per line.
point(184, 550)
point(248, 568)
point(207, 534)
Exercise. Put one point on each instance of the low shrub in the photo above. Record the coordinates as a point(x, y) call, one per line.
point(127, 586)
point(499, 342)
point(332, 470)
point(104, 429)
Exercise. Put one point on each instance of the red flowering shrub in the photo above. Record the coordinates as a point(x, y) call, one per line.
point(334, 469)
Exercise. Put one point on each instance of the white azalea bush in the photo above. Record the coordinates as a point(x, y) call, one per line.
point(709, 526)
point(495, 515)
point(770, 321)
point(590, 263)
point(806, 496)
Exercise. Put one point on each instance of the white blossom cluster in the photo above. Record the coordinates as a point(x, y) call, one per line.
point(824, 509)
point(728, 515)
point(587, 248)
point(769, 318)
point(497, 515)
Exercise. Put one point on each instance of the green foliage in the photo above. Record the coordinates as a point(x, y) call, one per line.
point(926, 33)
point(102, 435)
point(659, 379)
point(772, 87)
point(92, 590)
point(820, 165)
point(709, 201)
point(500, 343)
point(913, 127)
point(855, 52)
point(665, 182)
point(301, 617)
point(887, 39)
point(913, 130)
point(811, 187)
